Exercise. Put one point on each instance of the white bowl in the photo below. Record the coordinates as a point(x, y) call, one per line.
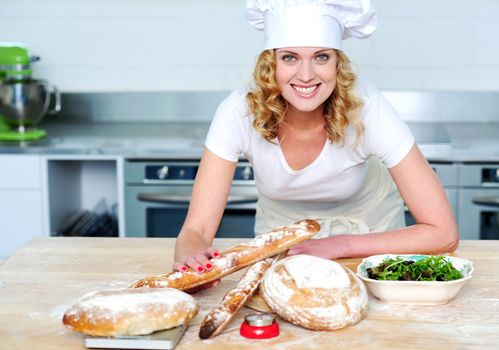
point(414, 292)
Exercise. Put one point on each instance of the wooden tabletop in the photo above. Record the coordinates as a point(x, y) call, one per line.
point(45, 277)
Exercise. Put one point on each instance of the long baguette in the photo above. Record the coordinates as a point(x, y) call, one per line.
point(218, 318)
point(237, 257)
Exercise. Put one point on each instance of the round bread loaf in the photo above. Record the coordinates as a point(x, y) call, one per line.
point(314, 293)
point(129, 311)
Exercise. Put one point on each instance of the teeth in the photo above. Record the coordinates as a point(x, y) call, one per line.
point(305, 90)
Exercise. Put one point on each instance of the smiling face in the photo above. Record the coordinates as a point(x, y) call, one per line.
point(306, 76)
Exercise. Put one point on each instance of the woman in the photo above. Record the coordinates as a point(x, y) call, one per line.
point(323, 144)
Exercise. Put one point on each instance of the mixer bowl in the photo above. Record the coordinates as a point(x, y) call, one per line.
point(24, 104)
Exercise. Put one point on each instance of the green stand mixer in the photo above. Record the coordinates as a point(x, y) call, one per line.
point(24, 101)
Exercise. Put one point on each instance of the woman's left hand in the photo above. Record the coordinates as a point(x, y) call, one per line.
point(328, 248)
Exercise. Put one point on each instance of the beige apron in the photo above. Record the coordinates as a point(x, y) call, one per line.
point(376, 207)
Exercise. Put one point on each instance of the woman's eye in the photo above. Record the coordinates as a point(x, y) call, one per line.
point(322, 58)
point(288, 58)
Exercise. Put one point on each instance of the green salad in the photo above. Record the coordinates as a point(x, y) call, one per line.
point(432, 268)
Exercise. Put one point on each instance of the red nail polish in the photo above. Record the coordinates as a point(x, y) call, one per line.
point(209, 266)
point(200, 269)
point(216, 254)
point(184, 268)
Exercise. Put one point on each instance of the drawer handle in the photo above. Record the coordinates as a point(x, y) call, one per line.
point(178, 199)
point(488, 201)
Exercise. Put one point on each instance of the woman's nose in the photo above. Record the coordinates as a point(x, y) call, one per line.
point(305, 72)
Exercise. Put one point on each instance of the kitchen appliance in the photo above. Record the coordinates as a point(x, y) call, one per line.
point(479, 201)
point(158, 192)
point(259, 326)
point(163, 340)
point(23, 100)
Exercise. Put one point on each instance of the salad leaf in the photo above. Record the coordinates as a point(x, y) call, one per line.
point(432, 268)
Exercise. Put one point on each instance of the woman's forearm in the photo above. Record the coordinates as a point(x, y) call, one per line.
point(420, 238)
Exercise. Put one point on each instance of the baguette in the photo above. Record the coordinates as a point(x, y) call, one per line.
point(218, 318)
point(237, 257)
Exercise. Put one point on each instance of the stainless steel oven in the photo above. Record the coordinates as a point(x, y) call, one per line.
point(157, 196)
point(479, 201)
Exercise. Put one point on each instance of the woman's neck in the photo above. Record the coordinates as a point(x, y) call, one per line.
point(304, 120)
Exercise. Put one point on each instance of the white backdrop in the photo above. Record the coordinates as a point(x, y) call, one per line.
point(187, 45)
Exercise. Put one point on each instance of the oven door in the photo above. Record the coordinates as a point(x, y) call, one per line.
point(160, 211)
point(479, 213)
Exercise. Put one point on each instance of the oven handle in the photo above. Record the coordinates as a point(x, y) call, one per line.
point(179, 199)
point(488, 201)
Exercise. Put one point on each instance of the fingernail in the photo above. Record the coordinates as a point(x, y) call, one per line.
point(209, 266)
point(200, 269)
point(184, 268)
point(216, 254)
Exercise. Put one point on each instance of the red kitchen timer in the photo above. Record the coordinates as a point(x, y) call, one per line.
point(259, 326)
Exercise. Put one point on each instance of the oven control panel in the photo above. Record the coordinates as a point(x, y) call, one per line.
point(153, 172)
point(170, 172)
point(490, 175)
point(188, 172)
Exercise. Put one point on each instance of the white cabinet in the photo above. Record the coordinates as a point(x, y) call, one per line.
point(21, 201)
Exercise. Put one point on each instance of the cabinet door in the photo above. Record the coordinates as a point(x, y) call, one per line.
point(20, 172)
point(20, 219)
point(20, 201)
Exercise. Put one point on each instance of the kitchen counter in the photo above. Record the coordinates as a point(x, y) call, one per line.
point(45, 277)
point(458, 142)
point(131, 139)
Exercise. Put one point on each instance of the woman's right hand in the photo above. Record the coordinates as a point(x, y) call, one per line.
point(199, 261)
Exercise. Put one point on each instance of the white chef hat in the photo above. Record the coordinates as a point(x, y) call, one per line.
point(311, 23)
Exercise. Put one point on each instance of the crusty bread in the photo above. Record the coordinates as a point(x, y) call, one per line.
point(218, 318)
point(237, 257)
point(314, 293)
point(126, 311)
point(257, 302)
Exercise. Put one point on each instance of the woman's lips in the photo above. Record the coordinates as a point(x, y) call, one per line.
point(305, 90)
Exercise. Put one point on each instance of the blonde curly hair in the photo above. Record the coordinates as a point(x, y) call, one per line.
point(269, 107)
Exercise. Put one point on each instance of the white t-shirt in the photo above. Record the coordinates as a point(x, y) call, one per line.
point(336, 174)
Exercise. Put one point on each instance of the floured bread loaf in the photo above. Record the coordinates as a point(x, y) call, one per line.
point(128, 311)
point(314, 293)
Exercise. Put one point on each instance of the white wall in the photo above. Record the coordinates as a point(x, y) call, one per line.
point(187, 45)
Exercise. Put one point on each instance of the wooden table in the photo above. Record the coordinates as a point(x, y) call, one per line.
point(46, 276)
